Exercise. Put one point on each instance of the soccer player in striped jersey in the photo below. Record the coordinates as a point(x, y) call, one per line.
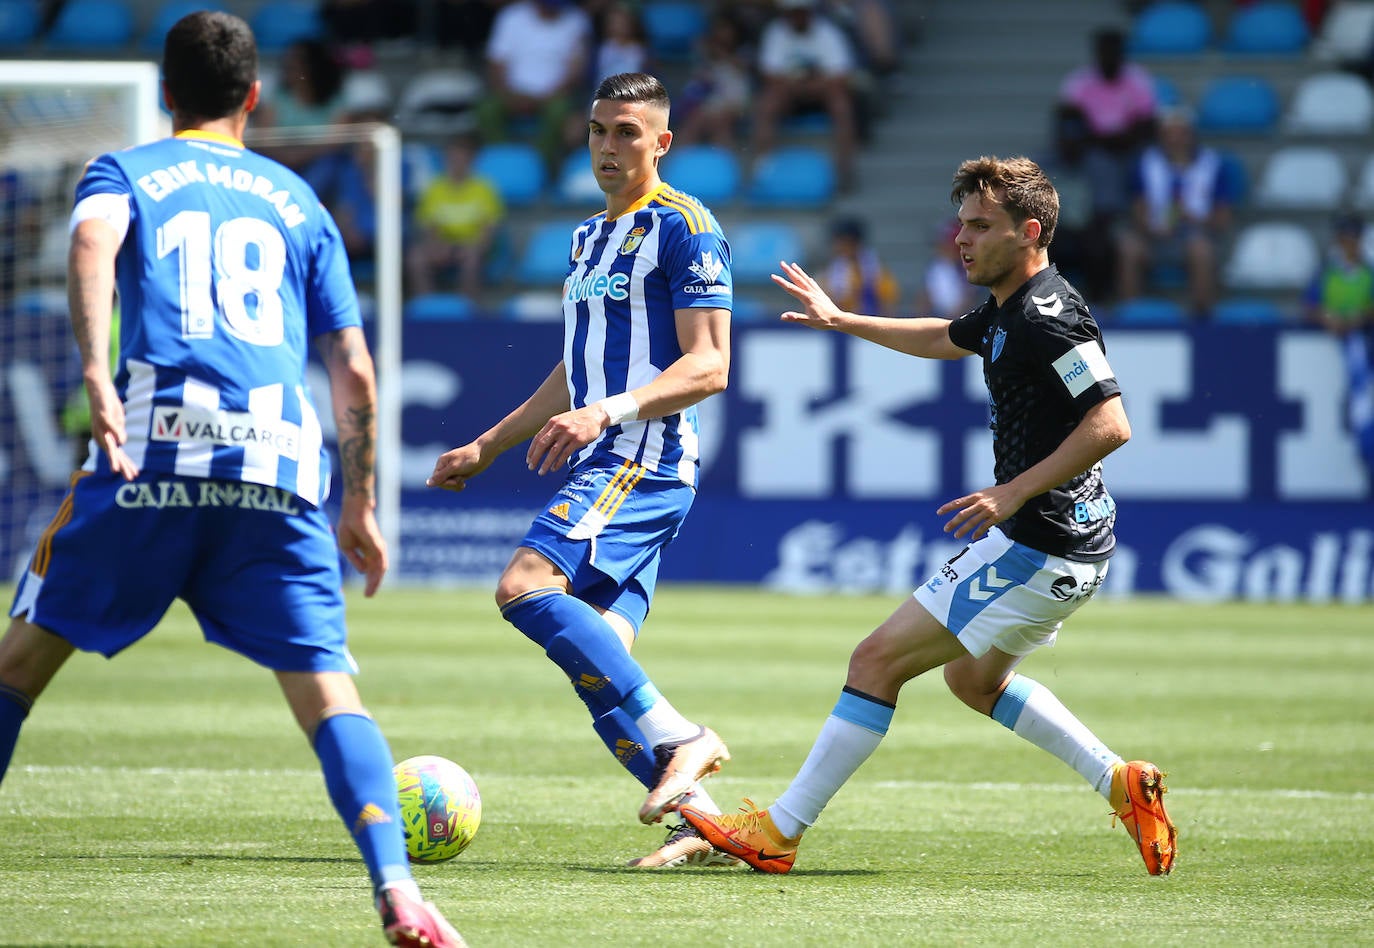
point(646, 307)
point(1039, 538)
point(207, 467)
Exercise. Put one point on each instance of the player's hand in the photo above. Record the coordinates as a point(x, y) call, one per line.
point(977, 513)
point(454, 468)
point(820, 310)
point(361, 541)
point(107, 428)
point(564, 434)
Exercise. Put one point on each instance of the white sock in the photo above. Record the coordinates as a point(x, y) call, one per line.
point(1033, 712)
point(661, 723)
point(839, 751)
point(407, 887)
point(699, 798)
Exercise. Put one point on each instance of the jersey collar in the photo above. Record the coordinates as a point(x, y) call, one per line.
point(209, 136)
point(641, 203)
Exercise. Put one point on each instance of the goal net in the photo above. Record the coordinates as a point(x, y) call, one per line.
point(54, 117)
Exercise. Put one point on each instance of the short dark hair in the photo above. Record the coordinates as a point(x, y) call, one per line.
point(1018, 184)
point(209, 62)
point(633, 87)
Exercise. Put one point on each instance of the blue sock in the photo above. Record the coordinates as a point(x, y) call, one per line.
point(1006, 711)
point(357, 773)
point(625, 741)
point(14, 708)
point(578, 640)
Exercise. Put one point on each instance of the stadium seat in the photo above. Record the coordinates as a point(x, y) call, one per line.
point(91, 25)
point(756, 247)
point(1148, 311)
point(1303, 178)
point(1269, 28)
point(18, 22)
point(516, 170)
point(1330, 103)
point(438, 103)
point(438, 307)
point(1248, 311)
point(1171, 28)
point(1167, 93)
point(1238, 104)
point(1346, 34)
point(707, 172)
point(794, 176)
point(544, 260)
point(1272, 255)
point(539, 306)
point(165, 16)
point(576, 184)
point(279, 23)
point(673, 27)
point(1364, 186)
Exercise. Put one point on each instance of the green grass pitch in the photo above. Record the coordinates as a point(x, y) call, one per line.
point(166, 798)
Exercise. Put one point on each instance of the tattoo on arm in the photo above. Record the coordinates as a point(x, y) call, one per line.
point(358, 450)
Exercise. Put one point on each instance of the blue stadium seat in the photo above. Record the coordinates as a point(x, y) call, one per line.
point(1271, 28)
point(166, 16)
point(92, 24)
point(438, 307)
point(1241, 104)
point(18, 22)
point(544, 261)
point(756, 247)
point(1172, 28)
point(515, 169)
point(707, 172)
point(279, 23)
point(576, 184)
point(1149, 311)
point(1248, 311)
point(673, 27)
point(1167, 94)
point(795, 176)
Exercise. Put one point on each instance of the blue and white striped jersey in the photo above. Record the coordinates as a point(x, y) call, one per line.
point(627, 277)
point(229, 268)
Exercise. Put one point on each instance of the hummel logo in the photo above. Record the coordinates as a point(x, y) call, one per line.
point(976, 591)
point(1050, 305)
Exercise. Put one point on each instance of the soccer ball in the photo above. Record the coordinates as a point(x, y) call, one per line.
point(440, 807)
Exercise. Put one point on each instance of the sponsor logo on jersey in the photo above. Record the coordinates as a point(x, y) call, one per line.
point(1082, 367)
point(158, 495)
point(632, 240)
point(1050, 305)
point(698, 290)
point(708, 269)
point(596, 286)
point(236, 429)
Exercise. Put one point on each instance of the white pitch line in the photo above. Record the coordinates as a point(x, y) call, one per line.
point(932, 785)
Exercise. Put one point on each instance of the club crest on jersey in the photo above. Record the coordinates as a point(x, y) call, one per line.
point(708, 269)
point(999, 339)
point(633, 239)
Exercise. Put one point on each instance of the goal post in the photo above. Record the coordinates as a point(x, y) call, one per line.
point(54, 117)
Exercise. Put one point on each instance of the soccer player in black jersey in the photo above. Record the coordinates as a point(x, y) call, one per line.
point(1039, 537)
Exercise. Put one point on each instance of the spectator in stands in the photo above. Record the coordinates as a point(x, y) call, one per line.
point(855, 278)
point(945, 289)
point(805, 62)
point(1110, 105)
point(1341, 301)
point(623, 45)
point(873, 31)
point(1183, 194)
point(456, 217)
point(537, 60)
point(716, 96)
point(306, 92)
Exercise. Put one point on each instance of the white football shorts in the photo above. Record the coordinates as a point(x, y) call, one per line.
point(997, 592)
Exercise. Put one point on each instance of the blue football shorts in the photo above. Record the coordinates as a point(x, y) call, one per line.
point(606, 529)
point(258, 566)
point(997, 592)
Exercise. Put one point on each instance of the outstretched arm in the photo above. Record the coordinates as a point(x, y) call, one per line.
point(454, 468)
point(925, 336)
point(1103, 429)
point(702, 370)
point(353, 391)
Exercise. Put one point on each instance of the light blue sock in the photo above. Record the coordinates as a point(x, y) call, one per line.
point(357, 763)
point(1031, 711)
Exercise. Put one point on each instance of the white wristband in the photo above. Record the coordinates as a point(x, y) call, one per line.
point(621, 408)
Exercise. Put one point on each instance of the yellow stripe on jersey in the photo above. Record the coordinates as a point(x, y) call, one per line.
point(42, 555)
point(691, 209)
point(619, 488)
